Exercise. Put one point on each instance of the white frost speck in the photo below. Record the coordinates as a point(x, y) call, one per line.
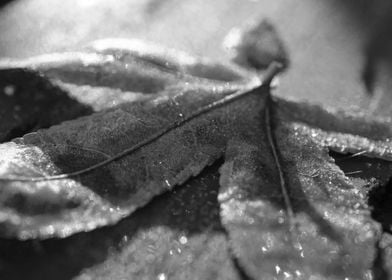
point(183, 240)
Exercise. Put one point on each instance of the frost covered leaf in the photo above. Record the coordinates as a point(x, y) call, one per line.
point(302, 218)
point(288, 211)
point(95, 80)
point(105, 195)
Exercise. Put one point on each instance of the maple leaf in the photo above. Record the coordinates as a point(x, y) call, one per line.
point(287, 209)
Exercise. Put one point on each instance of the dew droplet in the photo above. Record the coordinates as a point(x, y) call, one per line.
point(161, 276)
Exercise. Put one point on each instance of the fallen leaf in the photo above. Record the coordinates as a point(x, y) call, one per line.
point(288, 210)
point(182, 149)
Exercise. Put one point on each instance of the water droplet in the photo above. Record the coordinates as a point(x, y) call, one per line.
point(167, 183)
point(277, 269)
point(183, 240)
point(264, 249)
point(161, 276)
point(9, 90)
point(181, 115)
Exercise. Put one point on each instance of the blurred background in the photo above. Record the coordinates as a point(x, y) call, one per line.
point(326, 39)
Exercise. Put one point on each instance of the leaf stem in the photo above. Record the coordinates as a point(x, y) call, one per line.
point(268, 76)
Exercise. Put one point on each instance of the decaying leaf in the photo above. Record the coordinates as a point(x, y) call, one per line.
point(286, 209)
